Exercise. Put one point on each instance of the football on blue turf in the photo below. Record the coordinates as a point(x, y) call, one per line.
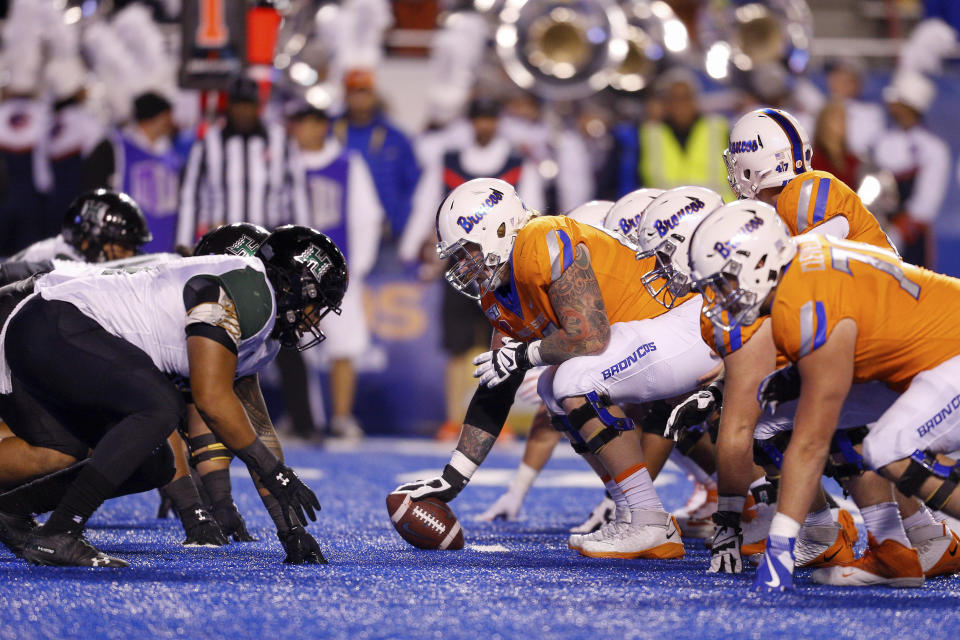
point(426, 524)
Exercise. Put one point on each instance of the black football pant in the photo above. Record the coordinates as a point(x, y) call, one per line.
point(106, 392)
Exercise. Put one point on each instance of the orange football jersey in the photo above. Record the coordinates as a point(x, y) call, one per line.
point(814, 197)
point(544, 249)
point(906, 316)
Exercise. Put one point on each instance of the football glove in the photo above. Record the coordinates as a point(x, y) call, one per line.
point(694, 410)
point(783, 385)
point(726, 542)
point(775, 573)
point(496, 366)
point(300, 546)
point(506, 507)
point(444, 488)
point(284, 485)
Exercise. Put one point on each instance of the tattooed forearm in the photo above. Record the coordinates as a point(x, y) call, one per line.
point(475, 443)
point(578, 304)
point(248, 392)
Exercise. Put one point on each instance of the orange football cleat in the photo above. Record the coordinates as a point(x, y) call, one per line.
point(888, 563)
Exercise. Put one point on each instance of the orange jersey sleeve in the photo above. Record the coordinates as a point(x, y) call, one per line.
point(724, 343)
point(544, 250)
point(905, 314)
point(815, 197)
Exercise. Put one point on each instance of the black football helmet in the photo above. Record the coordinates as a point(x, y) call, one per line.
point(306, 269)
point(237, 239)
point(102, 217)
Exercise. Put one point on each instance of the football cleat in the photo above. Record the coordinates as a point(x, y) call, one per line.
point(775, 573)
point(889, 563)
point(652, 534)
point(827, 546)
point(15, 530)
point(346, 428)
point(699, 522)
point(201, 529)
point(603, 513)
point(755, 531)
point(67, 550)
point(938, 546)
point(696, 499)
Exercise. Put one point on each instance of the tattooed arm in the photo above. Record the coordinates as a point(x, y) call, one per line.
point(247, 389)
point(578, 304)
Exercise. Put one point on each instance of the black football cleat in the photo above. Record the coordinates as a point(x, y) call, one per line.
point(201, 529)
point(231, 522)
point(15, 530)
point(67, 550)
point(300, 546)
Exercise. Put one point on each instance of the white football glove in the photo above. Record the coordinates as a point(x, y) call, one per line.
point(496, 366)
point(694, 410)
point(506, 507)
point(725, 549)
point(445, 487)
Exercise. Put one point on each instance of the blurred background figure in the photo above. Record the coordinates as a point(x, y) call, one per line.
point(685, 147)
point(831, 152)
point(865, 121)
point(920, 161)
point(365, 128)
point(139, 160)
point(332, 191)
point(235, 171)
point(464, 328)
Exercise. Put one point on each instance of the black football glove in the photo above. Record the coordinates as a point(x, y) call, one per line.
point(445, 488)
point(300, 546)
point(783, 385)
point(284, 485)
point(694, 410)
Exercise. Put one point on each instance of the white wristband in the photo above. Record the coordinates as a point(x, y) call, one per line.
point(463, 464)
point(533, 353)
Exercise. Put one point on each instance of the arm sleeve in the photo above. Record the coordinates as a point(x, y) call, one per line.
point(364, 217)
point(210, 312)
point(933, 176)
point(489, 408)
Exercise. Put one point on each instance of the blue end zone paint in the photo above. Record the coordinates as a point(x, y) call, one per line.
point(377, 586)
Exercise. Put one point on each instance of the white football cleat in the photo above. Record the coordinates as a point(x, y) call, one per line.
point(698, 523)
point(695, 500)
point(621, 519)
point(651, 534)
point(602, 513)
point(346, 427)
point(937, 546)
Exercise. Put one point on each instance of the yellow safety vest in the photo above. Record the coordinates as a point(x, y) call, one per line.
point(664, 164)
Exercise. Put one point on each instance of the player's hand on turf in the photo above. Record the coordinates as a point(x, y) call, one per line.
point(284, 485)
point(300, 546)
point(783, 385)
point(725, 548)
point(693, 411)
point(775, 573)
point(506, 507)
point(445, 487)
point(496, 366)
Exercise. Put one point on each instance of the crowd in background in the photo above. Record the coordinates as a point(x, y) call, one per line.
point(374, 188)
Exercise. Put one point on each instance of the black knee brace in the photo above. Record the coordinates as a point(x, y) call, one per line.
point(923, 465)
point(844, 462)
point(770, 452)
point(597, 408)
point(562, 424)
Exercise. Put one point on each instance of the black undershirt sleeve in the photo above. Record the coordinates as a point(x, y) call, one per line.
point(489, 408)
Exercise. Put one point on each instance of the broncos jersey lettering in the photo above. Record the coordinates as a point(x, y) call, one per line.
point(543, 251)
point(905, 315)
point(814, 197)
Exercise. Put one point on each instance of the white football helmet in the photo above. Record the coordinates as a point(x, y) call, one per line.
point(625, 212)
point(737, 254)
point(592, 213)
point(477, 224)
point(768, 148)
point(664, 231)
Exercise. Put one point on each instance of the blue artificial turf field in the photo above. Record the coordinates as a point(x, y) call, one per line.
point(513, 579)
